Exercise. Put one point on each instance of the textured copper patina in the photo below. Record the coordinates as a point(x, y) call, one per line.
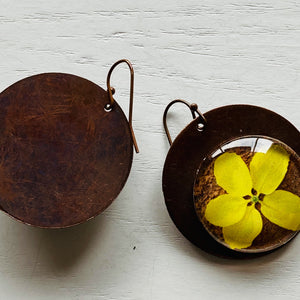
point(63, 157)
point(190, 148)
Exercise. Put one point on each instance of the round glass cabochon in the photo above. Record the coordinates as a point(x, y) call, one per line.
point(246, 194)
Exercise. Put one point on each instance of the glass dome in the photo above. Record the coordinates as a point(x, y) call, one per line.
point(246, 194)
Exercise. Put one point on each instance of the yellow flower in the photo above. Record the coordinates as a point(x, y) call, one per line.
point(236, 212)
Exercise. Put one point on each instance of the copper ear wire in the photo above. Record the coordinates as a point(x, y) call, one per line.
point(194, 110)
point(111, 91)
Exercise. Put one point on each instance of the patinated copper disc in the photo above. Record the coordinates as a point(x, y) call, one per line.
point(63, 158)
point(190, 148)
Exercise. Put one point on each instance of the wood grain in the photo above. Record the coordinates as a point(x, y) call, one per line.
point(210, 52)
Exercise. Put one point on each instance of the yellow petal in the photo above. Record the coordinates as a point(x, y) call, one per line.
point(255, 163)
point(268, 170)
point(283, 209)
point(242, 234)
point(225, 210)
point(232, 174)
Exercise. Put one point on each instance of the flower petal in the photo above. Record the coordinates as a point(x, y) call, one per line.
point(225, 210)
point(242, 234)
point(283, 209)
point(268, 170)
point(232, 174)
point(255, 163)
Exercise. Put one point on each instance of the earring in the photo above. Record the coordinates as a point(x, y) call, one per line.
point(65, 148)
point(231, 180)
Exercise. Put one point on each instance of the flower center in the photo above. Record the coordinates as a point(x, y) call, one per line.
point(254, 198)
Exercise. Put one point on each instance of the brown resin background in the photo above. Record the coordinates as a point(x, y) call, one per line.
point(206, 188)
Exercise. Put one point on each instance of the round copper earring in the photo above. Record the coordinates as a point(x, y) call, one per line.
point(231, 180)
point(65, 148)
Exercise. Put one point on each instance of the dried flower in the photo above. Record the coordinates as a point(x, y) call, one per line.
point(236, 211)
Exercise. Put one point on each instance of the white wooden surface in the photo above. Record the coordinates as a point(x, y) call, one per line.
point(209, 52)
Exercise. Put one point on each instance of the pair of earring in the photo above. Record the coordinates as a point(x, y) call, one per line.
point(66, 153)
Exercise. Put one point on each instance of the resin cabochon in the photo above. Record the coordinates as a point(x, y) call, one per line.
point(206, 188)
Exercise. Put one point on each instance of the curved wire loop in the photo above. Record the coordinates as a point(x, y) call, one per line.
point(194, 110)
point(111, 91)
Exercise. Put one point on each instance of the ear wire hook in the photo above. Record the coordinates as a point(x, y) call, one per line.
point(194, 110)
point(111, 91)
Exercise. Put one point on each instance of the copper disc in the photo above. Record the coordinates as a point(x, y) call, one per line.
point(64, 159)
point(192, 146)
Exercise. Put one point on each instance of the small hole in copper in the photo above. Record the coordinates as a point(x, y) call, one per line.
point(107, 108)
point(200, 127)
